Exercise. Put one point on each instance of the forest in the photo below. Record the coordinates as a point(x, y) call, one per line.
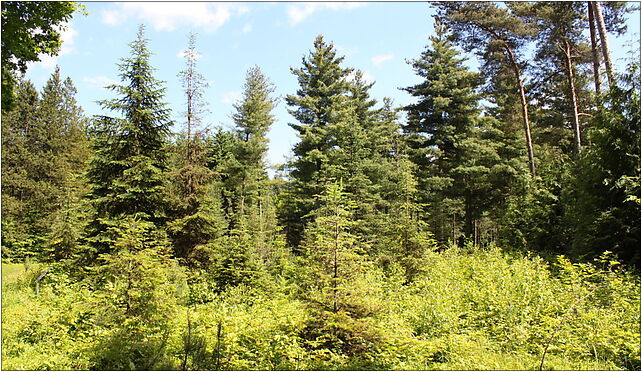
point(492, 224)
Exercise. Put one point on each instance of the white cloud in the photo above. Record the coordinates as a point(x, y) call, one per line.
point(110, 17)
point(298, 13)
point(231, 97)
point(67, 36)
point(47, 62)
point(98, 81)
point(166, 16)
point(368, 77)
point(247, 28)
point(377, 60)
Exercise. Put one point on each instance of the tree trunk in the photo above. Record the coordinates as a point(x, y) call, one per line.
point(335, 274)
point(605, 46)
point(596, 56)
point(524, 103)
point(571, 83)
point(469, 229)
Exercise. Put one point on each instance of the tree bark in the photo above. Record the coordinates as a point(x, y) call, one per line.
point(524, 102)
point(605, 45)
point(596, 56)
point(571, 83)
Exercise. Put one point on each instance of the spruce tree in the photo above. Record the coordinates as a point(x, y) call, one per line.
point(136, 300)
point(334, 252)
point(127, 171)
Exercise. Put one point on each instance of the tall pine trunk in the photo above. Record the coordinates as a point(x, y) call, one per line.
point(524, 103)
point(596, 56)
point(573, 95)
point(605, 46)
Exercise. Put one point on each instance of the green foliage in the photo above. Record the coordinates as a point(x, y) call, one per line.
point(185, 255)
point(488, 303)
point(456, 151)
point(127, 171)
point(137, 299)
point(45, 147)
point(22, 44)
point(607, 184)
point(322, 93)
point(194, 203)
point(471, 308)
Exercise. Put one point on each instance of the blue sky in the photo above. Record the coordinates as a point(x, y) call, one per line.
point(376, 38)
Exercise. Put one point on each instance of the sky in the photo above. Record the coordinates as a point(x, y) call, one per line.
point(376, 38)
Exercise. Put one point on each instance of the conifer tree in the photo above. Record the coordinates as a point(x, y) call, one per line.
point(334, 252)
point(560, 46)
point(127, 172)
point(253, 118)
point(70, 145)
point(606, 210)
point(18, 126)
point(463, 165)
point(196, 217)
point(255, 213)
point(322, 92)
point(51, 146)
point(136, 301)
point(498, 37)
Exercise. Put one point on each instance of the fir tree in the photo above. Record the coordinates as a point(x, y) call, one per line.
point(127, 172)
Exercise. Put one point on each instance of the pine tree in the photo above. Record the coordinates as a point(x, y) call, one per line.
point(322, 93)
point(127, 172)
point(560, 45)
point(606, 210)
point(498, 37)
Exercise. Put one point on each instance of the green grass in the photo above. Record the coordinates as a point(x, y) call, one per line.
point(12, 273)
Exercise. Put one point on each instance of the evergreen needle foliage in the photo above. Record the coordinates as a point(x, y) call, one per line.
point(491, 224)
